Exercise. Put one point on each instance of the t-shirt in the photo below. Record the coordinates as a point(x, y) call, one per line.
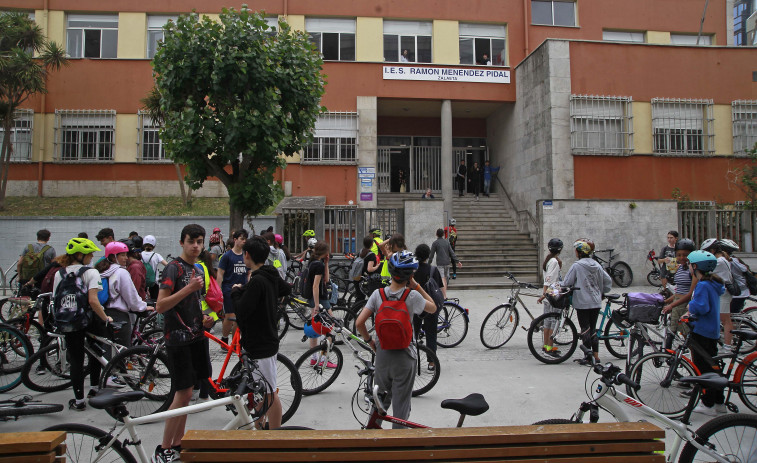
point(183, 323)
point(218, 251)
point(668, 251)
point(154, 259)
point(317, 267)
point(422, 274)
point(370, 257)
point(682, 279)
point(234, 270)
point(415, 305)
point(90, 278)
point(552, 274)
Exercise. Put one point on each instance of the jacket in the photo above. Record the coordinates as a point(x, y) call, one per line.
point(443, 251)
point(138, 274)
point(123, 294)
point(592, 281)
point(705, 305)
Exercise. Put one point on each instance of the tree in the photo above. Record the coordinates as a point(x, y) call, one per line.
point(21, 75)
point(234, 96)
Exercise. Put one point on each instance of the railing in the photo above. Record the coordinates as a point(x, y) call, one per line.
point(526, 220)
point(735, 224)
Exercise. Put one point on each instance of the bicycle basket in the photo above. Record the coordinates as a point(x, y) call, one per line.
point(560, 301)
point(644, 308)
point(620, 318)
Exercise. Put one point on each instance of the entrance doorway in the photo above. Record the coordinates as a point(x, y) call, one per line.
point(409, 164)
point(399, 160)
point(470, 155)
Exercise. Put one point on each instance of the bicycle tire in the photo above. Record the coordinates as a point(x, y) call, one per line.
point(499, 326)
point(621, 274)
point(733, 436)
point(356, 308)
point(751, 312)
point(32, 329)
point(747, 385)
point(425, 379)
point(568, 337)
point(297, 314)
point(142, 368)
point(343, 313)
point(82, 442)
point(649, 372)
point(747, 345)
point(312, 367)
point(15, 351)
point(616, 339)
point(554, 421)
point(9, 309)
point(452, 325)
point(28, 409)
point(44, 373)
point(281, 323)
point(152, 337)
point(653, 278)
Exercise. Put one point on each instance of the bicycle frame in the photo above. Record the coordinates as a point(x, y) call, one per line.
point(63, 360)
point(379, 415)
point(233, 348)
point(514, 299)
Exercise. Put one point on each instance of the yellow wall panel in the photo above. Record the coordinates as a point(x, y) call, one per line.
point(132, 35)
point(126, 138)
point(723, 126)
point(45, 149)
point(296, 22)
point(214, 16)
point(658, 37)
point(369, 39)
point(55, 27)
point(642, 127)
point(446, 47)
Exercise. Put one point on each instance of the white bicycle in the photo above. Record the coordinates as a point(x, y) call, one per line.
point(729, 438)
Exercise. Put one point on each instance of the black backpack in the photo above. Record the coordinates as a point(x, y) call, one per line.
point(306, 290)
point(433, 289)
point(70, 305)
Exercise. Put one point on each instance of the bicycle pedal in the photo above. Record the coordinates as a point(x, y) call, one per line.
point(732, 407)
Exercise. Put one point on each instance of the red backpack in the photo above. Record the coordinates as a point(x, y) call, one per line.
point(394, 324)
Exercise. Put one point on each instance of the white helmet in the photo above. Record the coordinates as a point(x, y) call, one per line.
point(149, 239)
point(311, 242)
point(707, 244)
point(452, 222)
point(728, 246)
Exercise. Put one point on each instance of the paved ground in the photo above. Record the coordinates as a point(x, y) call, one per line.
point(519, 389)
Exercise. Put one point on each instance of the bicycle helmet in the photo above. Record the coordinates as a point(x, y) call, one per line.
point(319, 326)
point(402, 265)
point(310, 332)
point(308, 234)
point(279, 239)
point(81, 245)
point(149, 239)
point(115, 247)
point(685, 244)
point(583, 247)
point(312, 242)
point(136, 243)
point(452, 222)
point(555, 245)
point(728, 246)
point(708, 243)
point(216, 230)
point(375, 232)
point(704, 261)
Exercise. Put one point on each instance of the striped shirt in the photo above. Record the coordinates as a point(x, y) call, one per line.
point(682, 279)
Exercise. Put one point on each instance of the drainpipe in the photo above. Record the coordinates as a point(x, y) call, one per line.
point(43, 140)
point(526, 23)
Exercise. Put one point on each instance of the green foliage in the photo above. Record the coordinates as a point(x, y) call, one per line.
point(746, 177)
point(234, 96)
point(682, 198)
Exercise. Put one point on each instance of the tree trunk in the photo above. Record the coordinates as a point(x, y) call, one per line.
point(5, 156)
point(236, 218)
point(182, 187)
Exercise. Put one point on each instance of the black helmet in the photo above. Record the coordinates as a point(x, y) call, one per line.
point(685, 244)
point(555, 245)
point(136, 244)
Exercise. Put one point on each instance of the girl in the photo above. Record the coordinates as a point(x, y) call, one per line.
point(723, 271)
point(684, 282)
point(593, 282)
point(371, 264)
point(318, 279)
point(551, 266)
point(738, 270)
point(705, 305)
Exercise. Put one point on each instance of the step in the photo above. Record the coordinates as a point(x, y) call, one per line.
point(495, 283)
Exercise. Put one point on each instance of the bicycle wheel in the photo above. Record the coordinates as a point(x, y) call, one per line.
point(742, 323)
point(142, 368)
point(318, 370)
point(751, 312)
point(289, 384)
point(356, 309)
point(28, 409)
point(10, 309)
point(650, 373)
point(151, 337)
point(15, 350)
point(425, 379)
point(47, 370)
point(565, 337)
point(653, 278)
point(344, 314)
point(499, 326)
point(86, 443)
point(554, 421)
point(32, 329)
point(616, 339)
point(281, 323)
point(452, 325)
point(747, 384)
point(733, 437)
point(622, 274)
point(297, 314)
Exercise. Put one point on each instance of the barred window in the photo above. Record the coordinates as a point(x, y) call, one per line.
point(601, 125)
point(335, 139)
point(84, 135)
point(744, 125)
point(149, 145)
point(21, 135)
point(682, 127)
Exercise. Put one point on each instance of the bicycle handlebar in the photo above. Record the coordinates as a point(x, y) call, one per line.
point(610, 373)
point(623, 379)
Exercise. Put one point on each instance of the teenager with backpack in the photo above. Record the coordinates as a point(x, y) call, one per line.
point(216, 246)
point(739, 270)
point(135, 267)
point(424, 275)
point(75, 301)
point(151, 260)
point(394, 308)
point(316, 284)
point(450, 234)
point(276, 256)
point(34, 257)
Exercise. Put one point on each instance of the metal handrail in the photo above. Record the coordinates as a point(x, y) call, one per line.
point(518, 211)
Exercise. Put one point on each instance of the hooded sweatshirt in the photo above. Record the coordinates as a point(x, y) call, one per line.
point(255, 305)
point(705, 304)
point(592, 281)
point(123, 293)
point(278, 259)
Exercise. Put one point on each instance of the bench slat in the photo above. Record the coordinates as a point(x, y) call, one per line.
point(48, 457)
point(20, 442)
point(379, 458)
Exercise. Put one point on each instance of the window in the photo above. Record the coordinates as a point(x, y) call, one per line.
point(84, 135)
point(21, 135)
point(682, 127)
point(334, 38)
point(482, 44)
point(601, 125)
point(623, 36)
point(744, 125)
point(335, 139)
point(92, 36)
point(690, 39)
point(155, 32)
point(149, 145)
point(553, 12)
point(407, 41)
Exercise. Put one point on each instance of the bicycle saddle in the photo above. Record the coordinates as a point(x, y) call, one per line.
point(107, 398)
point(746, 335)
point(612, 297)
point(707, 380)
point(473, 405)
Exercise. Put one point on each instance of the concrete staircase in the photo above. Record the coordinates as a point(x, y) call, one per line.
point(490, 244)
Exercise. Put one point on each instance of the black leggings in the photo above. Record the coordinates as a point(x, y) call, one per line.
point(587, 321)
point(429, 324)
point(710, 396)
point(75, 348)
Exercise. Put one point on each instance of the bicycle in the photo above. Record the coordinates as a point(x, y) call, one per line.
point(654, 277)
point(563, 332)
point(499, 325)
point(727, 439)
point(296, 311)
point(24, 406)
point(620, 272)
point(15, 351)
point(452, 323)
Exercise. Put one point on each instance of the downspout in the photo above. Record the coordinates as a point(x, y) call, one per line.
point(286, 10)
point(40, 163)
point(526, 23)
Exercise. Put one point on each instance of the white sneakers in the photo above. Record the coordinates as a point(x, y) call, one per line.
point(715, 410)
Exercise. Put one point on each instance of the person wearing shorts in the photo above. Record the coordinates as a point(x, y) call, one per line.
point(445, 256)
point(255, 305)
point(179, 299)
point(551, 267)
point(231, 271)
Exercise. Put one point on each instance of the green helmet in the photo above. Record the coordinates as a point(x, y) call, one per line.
point(309, 234)
point(81, 245)
point(375, 232)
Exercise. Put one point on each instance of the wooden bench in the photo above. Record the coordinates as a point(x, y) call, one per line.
point(33, 447)
point(571, 443)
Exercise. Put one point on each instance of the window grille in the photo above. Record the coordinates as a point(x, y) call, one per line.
point(683, 127)
point(601, 125)
point(744, 125)
point(553, 12)
point(85, 135)
point(335, 139)
point(149, 145)
point(92, 36)
point(21, 135)
point(477, 40)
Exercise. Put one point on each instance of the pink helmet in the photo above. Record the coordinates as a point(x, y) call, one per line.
point(279, 239)
point(115, 247)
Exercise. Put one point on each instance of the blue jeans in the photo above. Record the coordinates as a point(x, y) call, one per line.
point(487, 185)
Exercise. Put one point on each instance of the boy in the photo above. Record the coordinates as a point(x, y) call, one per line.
point(255, 307)
point(179, 300)
point(231, 271)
